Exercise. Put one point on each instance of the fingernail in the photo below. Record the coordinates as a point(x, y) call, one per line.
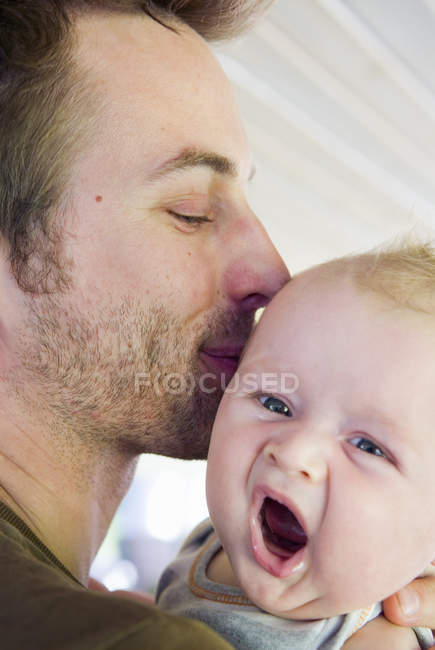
point(408, 601)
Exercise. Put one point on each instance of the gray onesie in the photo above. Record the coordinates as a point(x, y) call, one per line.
point(184, 589)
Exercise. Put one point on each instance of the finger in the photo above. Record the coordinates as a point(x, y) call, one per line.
point(96, 585)
point(413, 605)
point(135, 595)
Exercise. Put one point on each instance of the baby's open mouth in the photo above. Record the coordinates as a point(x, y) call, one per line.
point(282, 533)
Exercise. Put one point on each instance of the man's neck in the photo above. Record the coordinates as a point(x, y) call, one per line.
point(70, 496)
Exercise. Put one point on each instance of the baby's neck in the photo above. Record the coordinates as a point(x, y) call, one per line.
point(219, 570)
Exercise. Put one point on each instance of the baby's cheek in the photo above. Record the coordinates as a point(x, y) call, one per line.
point(218, 498)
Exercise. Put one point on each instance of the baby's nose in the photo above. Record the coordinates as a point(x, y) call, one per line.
point(295, 456)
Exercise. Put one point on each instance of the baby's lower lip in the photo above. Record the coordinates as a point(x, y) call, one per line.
point(281, 563)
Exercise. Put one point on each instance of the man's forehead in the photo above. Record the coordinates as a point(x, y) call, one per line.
point(115, 38)
point(159, 86)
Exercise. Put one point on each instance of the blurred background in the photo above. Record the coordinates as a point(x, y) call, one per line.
point(338, 99)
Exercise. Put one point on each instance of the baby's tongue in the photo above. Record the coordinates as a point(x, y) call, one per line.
point(283, 523)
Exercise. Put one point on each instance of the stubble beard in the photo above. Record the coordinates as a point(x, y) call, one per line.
point(83, 375)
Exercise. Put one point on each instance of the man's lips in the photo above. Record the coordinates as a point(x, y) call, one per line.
point(277, 557)
point(223, 359)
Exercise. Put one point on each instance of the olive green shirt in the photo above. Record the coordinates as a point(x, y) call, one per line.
point(43, 607)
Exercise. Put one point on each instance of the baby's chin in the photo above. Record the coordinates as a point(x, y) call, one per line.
point(299, 602)
point(311, 611)
point(272, 595)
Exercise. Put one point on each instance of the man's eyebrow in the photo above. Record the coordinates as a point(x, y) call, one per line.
point(196, 158)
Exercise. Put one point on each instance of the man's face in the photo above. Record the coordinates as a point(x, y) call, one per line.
point(168, 264)
point(320, 474)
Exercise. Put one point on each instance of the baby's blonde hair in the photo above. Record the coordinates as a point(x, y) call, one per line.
point(402, 272)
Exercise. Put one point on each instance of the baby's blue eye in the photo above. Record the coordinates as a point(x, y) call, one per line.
point(276, 405)
point(367, 445)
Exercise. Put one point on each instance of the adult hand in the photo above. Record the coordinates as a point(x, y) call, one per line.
point(413, 605)
point(379, 634)
point(95, 585)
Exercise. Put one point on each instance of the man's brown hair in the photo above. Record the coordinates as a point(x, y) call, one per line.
point(45, 110)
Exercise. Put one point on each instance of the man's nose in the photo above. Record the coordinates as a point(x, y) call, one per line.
point(299, 455)
point(255, 271)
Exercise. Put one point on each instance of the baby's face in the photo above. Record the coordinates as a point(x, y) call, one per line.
point(321, 480)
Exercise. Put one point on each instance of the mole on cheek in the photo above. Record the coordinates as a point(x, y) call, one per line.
point(98, 198)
